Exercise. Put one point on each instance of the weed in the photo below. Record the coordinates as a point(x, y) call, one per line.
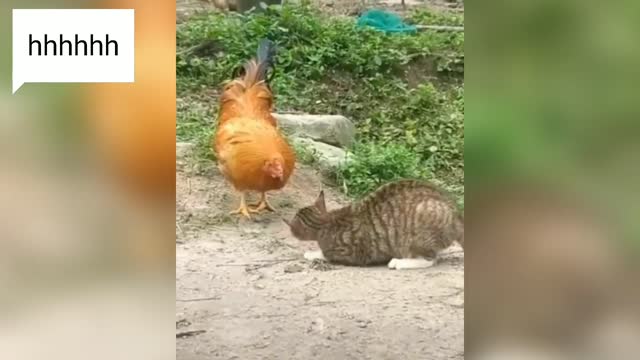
point(428, 17)
point(194, 123)
point(373, 165)
point(304, 154)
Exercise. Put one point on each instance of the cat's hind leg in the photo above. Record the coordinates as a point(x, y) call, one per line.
point(410, 263)
point(314, 255)
point(418, 255)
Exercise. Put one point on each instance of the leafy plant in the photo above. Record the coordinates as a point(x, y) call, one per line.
point(305, 154)
point(430, 17)
point(373, 165)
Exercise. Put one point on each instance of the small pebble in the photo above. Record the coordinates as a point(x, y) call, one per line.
point(317, 325)
point(293, 268)
point(363, 323)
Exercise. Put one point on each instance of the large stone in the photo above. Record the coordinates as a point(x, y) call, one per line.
point(329, 157)
point(334, 130)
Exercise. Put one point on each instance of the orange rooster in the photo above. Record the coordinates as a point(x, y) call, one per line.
point(251, 152)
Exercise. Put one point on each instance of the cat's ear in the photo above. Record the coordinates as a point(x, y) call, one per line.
point(320, 204)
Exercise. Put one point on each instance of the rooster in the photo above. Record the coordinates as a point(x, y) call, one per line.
point(252, 153)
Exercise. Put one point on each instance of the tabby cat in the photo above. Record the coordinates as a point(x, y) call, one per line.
point(404, 224)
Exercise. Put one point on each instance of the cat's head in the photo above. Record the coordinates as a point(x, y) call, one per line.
point(308, 220)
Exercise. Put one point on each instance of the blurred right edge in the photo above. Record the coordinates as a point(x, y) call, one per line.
point(552, 180)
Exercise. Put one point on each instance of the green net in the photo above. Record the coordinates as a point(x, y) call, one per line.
point(385, 21)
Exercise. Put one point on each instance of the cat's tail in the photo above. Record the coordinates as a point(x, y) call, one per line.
point(459, 226)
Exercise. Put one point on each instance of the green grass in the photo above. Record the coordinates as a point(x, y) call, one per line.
point(404, 92)
point(194, 123)
point(372, 165)
point(426, 17)
point(305, 154)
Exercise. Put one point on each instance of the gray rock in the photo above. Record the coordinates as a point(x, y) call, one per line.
point(329, 157)
point(334, 130)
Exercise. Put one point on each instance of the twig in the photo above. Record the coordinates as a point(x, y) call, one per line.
point(440, 27)
point(320, 303)
point(457, 306)
point(241, 264)
point(184, 334)
point(199, 299)
point(290, 112)
point(259, 262)
point(207, 45)
point(455, 293)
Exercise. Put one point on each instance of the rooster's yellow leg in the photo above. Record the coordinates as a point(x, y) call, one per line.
point(263, 204)
point(243, 209)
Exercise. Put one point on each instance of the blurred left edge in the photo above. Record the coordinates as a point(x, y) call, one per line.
point(87, 252)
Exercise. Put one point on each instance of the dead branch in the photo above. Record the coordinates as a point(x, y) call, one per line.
point(184, 334)
point(440, 27)
point(199, 299)
point(260, 262)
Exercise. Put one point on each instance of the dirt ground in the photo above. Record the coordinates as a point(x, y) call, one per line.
point(247, 287)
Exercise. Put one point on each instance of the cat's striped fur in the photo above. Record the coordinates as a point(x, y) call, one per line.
point(405, 219)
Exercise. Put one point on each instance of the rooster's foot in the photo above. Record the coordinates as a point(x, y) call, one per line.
point(262, 205)
point(242, 210)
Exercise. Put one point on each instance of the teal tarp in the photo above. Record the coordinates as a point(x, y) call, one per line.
point(385, 21)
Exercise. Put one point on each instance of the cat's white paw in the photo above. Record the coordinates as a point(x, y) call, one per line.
point(314, 255)
point(406, 264)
